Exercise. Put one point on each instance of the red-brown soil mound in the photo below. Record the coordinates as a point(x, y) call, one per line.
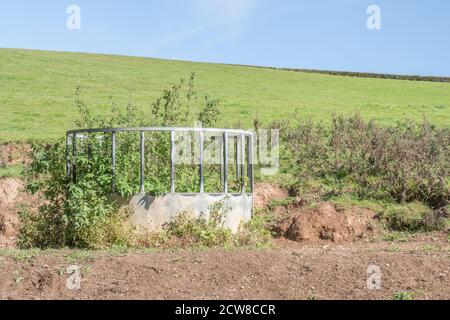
point(265, 192)
point(12, 195)
point(325, 223)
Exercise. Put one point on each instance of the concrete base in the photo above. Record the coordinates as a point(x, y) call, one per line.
point(153, 212)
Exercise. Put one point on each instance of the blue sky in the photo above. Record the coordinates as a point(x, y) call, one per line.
point(322, 34)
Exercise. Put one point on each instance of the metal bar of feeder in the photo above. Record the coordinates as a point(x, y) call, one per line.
point(242, 163)
point(202, 183)
point(236, 156)
point(67, 157)
point(142, 161)
point(250, 162)
point(74, 155)
point(225, 162)
point(176, 129)
point(172, 161)
point(221, 160)
point(89, 146)
point(113, 158)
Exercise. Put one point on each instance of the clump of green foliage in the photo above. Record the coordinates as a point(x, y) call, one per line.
point(11, 171)
point(201, 231)
point(188, 230)
point(256, 233)
point(413, 217)
point(403, 295)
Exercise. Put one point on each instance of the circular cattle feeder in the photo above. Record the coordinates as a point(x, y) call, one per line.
point(149, 211)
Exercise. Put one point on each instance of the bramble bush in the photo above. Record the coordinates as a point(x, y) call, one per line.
point(403, 163)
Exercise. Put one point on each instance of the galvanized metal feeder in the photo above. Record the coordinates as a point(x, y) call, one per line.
point(152, 212)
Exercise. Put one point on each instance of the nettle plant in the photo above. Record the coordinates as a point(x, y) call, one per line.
point(80, 212)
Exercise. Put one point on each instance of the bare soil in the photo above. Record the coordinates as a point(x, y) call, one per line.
point(289, 271)
point(266, 192)
point(12, 197)
point(14, 153)
point(325, 222)
point(9, 193)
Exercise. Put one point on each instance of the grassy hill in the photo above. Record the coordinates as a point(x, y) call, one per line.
point(37, 91)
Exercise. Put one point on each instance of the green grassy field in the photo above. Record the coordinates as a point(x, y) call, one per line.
point(37, 91)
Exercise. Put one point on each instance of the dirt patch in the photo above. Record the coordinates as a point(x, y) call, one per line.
point(9, 190)
point(9, 193)
point(12, 195)
point(325, 222)
point(266, 191)
point(301, 272)
point(12, 192)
